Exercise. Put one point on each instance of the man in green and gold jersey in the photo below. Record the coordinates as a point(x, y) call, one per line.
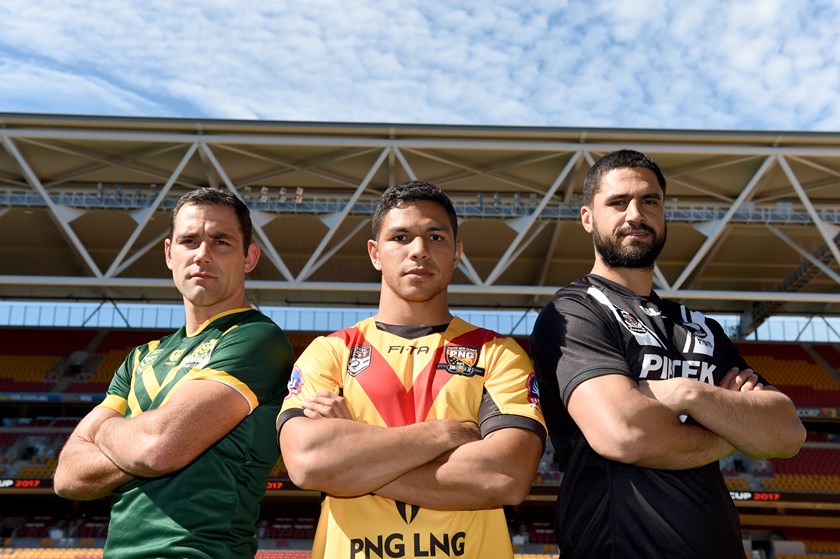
point(183, 442)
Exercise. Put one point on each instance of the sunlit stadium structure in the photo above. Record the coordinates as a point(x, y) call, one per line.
point(754, 231)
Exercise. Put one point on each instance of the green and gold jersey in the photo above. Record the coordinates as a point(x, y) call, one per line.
point(209, 508)
point(464, 373)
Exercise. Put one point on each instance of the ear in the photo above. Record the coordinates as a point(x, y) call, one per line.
point(167, 247)
point(586, 218)
point(252, 257)
point(459, 248)
point(373, 252)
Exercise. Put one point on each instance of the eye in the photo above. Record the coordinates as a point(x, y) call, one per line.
point(436, 237)
point(400, 238)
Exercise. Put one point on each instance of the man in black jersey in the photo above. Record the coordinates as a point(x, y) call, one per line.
point(638, 437)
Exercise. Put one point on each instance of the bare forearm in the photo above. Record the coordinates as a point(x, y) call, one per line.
point(680, 447)
point(479, 475)
point(84, 472)
point(346, 458)
point(759, 423)
point(131, 447)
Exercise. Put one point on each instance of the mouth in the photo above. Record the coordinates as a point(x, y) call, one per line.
point(418, 273)
point(639, 233)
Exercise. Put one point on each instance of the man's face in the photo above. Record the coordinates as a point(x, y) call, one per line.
point(208, 259)
point(416, 251)
point(627, 219)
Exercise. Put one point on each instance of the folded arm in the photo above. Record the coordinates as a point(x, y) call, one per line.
point(83, 471)
point(760, 422)
point(495, 471)
point(165, 439)
point(623, 424)
point(346, 458)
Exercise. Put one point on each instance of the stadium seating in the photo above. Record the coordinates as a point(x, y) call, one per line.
point(29, 446)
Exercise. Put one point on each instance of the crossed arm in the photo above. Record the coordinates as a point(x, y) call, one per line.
point(639, 424)
point(441, 464)
point(107, 450)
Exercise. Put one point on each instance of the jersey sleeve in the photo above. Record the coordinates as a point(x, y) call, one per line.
point(574, 343)
point(729, 355)
point(319, 367)
point(511, 397)
point(116, 397)
point(255, 359)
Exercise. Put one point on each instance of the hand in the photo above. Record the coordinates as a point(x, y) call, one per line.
point(459, 432)
point(743, 381)
point(324, 405)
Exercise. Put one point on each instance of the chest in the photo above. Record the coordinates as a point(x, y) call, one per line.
point(157, 372)
point(401, 382)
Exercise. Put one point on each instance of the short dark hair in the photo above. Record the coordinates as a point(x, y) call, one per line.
point(621, 159)
point(207, 196)
point(412, 191)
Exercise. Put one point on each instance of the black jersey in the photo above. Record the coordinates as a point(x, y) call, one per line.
point(605, 508)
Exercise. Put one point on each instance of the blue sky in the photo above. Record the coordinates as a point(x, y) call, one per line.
point(703, 64)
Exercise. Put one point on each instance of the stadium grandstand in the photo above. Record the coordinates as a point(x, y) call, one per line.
point(754, 238)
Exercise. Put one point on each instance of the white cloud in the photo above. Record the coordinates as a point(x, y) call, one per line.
point(760, 64)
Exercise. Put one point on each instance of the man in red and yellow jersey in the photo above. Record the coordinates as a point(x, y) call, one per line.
point(418, 426)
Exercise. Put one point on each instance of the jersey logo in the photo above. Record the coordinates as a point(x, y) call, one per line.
point(461, 360)
point(631, 322)
point(174, 357)
point(148, 359)
point(533, 390)
point(407, 512)
point(200, 356)
point(359, 359)
point(295, 383)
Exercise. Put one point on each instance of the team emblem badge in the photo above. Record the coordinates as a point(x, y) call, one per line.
point(461, 360)
point(200, 356)
point(150, 358)
point(631, 322)
point(359, 359)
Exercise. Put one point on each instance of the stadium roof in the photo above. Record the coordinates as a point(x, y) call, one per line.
point(753, 217)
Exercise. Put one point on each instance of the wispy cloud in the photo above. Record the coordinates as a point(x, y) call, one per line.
point(750, 64)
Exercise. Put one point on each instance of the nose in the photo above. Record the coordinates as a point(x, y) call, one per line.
point(202, 253)
point(634, 212)
point(418, 249)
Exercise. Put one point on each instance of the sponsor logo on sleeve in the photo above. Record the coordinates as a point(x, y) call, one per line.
point(295, 383)
point(533, 390)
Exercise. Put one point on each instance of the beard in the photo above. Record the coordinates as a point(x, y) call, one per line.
point(637, 255)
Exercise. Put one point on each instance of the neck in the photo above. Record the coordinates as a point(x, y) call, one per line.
point(399, 312)
point(637, 280)
point(196, 316)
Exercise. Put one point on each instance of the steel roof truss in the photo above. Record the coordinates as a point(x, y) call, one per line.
point(268, 247)
point(508, 257)
point(746, 193)
point(805, 254)
point(63, 225)
point(826, 230)
point(307, 268)
point(115, 265)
